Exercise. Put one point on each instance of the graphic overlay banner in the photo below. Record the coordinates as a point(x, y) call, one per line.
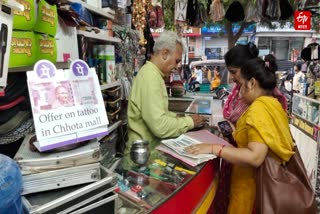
point(67, 105)
point(302, 20)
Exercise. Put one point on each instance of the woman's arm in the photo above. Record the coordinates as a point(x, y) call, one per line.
point(254, 155)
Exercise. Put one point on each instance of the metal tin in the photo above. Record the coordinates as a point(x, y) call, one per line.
point(140, 152)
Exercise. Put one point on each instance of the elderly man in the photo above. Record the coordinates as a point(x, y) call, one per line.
point(148, 115)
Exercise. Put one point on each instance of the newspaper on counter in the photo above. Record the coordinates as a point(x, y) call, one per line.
point(180, 143)
point(175, 147)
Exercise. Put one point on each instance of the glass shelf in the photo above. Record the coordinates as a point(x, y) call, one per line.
point(306, 109)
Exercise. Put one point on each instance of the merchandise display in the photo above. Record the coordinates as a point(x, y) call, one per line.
point(26, 19)
point(23, 51)
point(47, 47)
point(47, 18)
point(165, 184)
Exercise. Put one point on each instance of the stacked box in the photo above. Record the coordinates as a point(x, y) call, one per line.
point(112, 99)
point(47, 18)
point(23, 51)
point(47, 47)
point(24, 20)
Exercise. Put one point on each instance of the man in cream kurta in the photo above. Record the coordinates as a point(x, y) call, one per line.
point(148, 115)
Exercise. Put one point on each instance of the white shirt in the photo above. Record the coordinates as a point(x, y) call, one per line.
point(198, 74)
point(297, 81)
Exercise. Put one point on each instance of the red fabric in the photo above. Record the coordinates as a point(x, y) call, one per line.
point(234, 106)
point(282, 99)
point(12, 104)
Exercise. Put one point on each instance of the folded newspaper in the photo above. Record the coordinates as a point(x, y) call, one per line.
point(175, 147)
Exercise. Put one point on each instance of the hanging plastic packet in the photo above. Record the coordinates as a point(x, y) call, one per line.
point(217, 11)
point(254, 11)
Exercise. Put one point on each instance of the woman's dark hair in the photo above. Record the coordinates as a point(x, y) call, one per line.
point(239, 54)
point(261, 71)
point(298, 66)
point(271, 60)
point(217, 68)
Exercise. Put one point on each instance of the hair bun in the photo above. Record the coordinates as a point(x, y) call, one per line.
point(253, 50)
point(271, 61)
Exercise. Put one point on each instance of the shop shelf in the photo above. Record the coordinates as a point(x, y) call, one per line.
point(306, 108)
point(110, 85)
point(99, 11)
point(59, 65)
point(98, 36)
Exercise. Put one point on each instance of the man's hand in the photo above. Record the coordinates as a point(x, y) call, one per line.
point(198, 120)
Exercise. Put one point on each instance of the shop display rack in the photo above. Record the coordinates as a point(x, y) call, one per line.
point(305, 115)
point(59, 65)
point(305, 130)
point(98, 36)
point(101, 12)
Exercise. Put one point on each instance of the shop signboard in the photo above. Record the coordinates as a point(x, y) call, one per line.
point(67, 105)
point(218, 29)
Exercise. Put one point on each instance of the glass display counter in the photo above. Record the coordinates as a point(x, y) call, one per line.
point(203, 105)
point(166, 184)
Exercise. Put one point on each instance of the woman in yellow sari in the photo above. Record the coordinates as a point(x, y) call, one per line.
point(262, 130)
point(215, 83)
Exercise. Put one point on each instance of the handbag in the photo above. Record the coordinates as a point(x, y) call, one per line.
point(284, 188)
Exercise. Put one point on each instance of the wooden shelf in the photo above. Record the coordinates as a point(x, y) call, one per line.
point(98, 36)
point(98, 11)
point(59, 65)
point(110, 85)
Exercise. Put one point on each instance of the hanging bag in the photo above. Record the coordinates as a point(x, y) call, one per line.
point(216, 11)
point(284, 188)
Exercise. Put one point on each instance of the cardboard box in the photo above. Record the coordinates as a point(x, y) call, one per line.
point(24, 20)
point(6, 19)
point(23, 50)
point(47, 18)
point(47, 47)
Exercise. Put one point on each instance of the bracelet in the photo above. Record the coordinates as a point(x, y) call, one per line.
point(219, 153)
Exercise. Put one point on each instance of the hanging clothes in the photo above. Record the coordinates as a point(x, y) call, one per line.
point(217, 11)
point(253, 11)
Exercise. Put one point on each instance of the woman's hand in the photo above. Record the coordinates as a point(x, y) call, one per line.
point(202, 148)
